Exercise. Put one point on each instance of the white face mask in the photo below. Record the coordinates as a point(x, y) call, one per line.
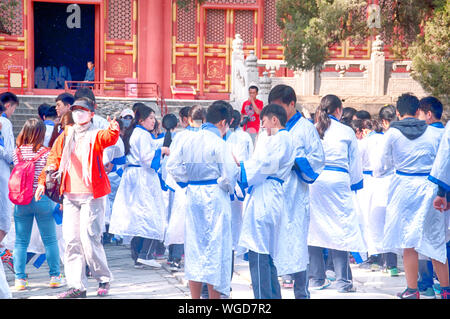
point(80, 116)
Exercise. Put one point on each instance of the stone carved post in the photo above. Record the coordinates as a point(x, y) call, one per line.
point(265, 85)
point(377, 68)
point(237, 67)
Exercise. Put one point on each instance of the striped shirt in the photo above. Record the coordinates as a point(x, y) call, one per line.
point(28, 154)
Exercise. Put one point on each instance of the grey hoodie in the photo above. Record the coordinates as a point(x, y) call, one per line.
point(412, 128)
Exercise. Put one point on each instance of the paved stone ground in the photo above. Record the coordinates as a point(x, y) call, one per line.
point(149, 283)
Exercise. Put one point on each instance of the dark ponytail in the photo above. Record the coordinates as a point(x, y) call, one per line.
point(328, 105)
point(141, 113)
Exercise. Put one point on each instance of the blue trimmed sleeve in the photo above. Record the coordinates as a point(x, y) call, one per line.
point(304, 170)
point(243, 176)
point(156, 161)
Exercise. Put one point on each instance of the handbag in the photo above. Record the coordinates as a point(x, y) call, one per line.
point(52, 185)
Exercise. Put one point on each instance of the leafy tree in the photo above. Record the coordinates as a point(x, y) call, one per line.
point(431, 54)
point(310, 27)
point(7, 14)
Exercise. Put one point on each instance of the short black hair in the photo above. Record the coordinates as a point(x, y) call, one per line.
point(407, 104)
point(218, 111)
point(254, 87)
point(284, 93)
point(51, 112)
point(387, 113)
point(276, 110)
point(8, 97)
point(363, 115)
point(66, 98)
point(42, 110)
point(184, 112)
point(84, 92)
point(236, 115)
point(430, 103)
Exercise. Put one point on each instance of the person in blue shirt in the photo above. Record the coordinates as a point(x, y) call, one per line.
point(90, 73)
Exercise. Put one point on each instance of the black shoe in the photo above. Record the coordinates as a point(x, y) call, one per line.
point(175, 266)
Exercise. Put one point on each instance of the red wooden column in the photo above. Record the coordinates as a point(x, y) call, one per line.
point(151, 41)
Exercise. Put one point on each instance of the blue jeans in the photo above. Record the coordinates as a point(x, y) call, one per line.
point(23, 221)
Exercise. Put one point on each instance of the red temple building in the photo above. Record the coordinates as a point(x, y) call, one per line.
point(151, 42)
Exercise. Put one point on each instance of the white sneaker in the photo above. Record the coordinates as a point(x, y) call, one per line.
point(149, 262)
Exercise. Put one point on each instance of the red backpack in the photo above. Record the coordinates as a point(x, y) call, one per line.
point(20, 182)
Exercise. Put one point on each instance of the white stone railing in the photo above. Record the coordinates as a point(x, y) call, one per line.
point(373, 78)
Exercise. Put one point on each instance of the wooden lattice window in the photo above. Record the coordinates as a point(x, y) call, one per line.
point(244, 25)
point(186, 22)
point(120, 13)
point(215, 26)
point(272, 32)
point(232, 1)
point(15, 24)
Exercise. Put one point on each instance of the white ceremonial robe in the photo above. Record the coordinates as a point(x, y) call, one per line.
point(265, 173)
point(241, 145)
point(334, 222)
point(205, 159)
point(138, 209)
point(292, 249)
point(6, 159)
point(440, 171)
point(377, 187)
point(411, 221)
point(176, 224)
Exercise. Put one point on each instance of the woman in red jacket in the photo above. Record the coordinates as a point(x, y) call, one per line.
point(77, 155)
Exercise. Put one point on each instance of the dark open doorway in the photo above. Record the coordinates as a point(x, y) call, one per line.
point(64, 40)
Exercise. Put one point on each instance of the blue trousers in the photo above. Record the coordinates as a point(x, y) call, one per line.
point(264, 276)
point(23, 221)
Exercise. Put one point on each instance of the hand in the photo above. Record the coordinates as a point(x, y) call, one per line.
point(440, 203)
point(235, 159)
point(39, 192)
point(165, 150)
point(109, 167)
point(113, 123)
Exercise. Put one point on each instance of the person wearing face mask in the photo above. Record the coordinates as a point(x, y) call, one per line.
point(127, 116)
point(204, 165)
point(138, 208)
point(77, 155)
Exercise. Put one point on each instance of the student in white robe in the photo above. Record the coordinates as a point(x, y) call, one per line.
point(334, 224)
point(138, 209)
point(174, 237)
point(380, 190)
point(292, 258)
point(264, 173)
point(205, 166)
point(241, 146)
point(440, 175)
point(412, 224)
point(8, 104)
point(430, 111)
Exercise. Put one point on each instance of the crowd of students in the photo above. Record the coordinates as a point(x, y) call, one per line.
point(298, 197)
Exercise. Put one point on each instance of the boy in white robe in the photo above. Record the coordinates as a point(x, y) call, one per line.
point(206, 167)
point(265, 173)
point(293, 249)
point(412, 224)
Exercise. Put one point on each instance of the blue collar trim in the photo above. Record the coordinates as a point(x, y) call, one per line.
point(293, 120)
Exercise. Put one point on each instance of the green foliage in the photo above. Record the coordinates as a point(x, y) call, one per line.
point(310, 27)
point(431, 54)
point(7, 14)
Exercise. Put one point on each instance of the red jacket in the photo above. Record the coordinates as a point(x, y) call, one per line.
point(100, 181)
